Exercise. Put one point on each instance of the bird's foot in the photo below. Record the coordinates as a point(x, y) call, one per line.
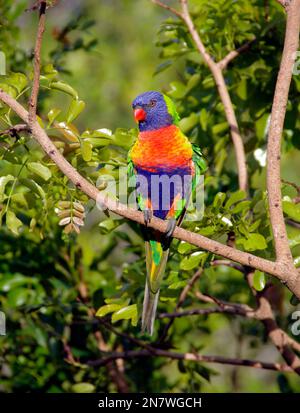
point(147, 216)
point(170, 227)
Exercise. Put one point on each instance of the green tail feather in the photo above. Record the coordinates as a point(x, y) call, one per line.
point(156, 260)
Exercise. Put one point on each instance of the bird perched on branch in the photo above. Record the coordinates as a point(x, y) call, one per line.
point(166, 168)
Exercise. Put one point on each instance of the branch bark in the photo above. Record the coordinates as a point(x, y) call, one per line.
point(189, 357)
point(264, 313)
point(283, 252)
point(234, 53)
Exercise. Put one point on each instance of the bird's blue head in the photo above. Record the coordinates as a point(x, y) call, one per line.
point(154, 110)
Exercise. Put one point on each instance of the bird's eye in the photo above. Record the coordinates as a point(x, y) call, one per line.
point(152, 103)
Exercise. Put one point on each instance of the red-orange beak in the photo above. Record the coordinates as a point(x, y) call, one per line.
point(139, 114)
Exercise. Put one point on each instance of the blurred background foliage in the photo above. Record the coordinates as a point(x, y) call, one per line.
point(61, 259)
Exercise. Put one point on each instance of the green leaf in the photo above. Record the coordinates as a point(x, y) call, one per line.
point(3, 182)
point(241, 90)
point(294, 241)
point(108, 225)
point(253, 242)
point(184, 247)
point(220, 128)
point(98, 137)
point(194, 260)
point(75, 108)
point(126, 313)
point(83, 388)
point(261, 126)
point(34, 186)
point(218, 201)
point(234, 198)
point(13, 223)
point(124, 137)
point(193, 81)
point(86, 150)
point(163, 66)
point(178, 90)
point(177, 285)
point(259, 280)
point(203, 371)
point(241, 207)
point(203, 118)
point(292, 210)
point(65, 88)
point(186, 124)
point(18, 297)
point(8, 282)
point(297, 262)
point(52, 115)
point(40, 170)
point(10, 90)
point(106, 309)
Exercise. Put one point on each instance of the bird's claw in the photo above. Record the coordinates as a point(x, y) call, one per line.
point(170, 227)
point(147, 216)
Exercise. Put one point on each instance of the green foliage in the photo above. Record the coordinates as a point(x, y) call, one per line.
point(55, 272)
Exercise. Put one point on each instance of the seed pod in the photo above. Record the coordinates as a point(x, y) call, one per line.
point(78, 214)
point(64, 204)
point(78, 206)
point(68, 228)
point(76, 228)
point(62, 213)
point(64, 221)
point(78, 221)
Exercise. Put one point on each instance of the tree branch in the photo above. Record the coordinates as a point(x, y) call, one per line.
point(284, 344)
point(273, 268)
point(37, 63)
point(234, 53)
point(189, 357)
point(284, 3)
point(216, 71)
point(166, 7)
point(283, 252)
point(234, 309)
point(15, 130)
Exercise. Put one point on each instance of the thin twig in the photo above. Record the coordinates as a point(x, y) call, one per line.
point(280, 339)
point(167, 7)
point(228, 264)
point(234, 53)
point(15, 130)
point(227, 309)
point(190, 357)
point(37, 63)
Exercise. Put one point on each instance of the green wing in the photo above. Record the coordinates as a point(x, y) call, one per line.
point(199, 163)
point(131, 175)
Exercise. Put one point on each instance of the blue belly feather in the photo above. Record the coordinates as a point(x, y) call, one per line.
point(162, 186)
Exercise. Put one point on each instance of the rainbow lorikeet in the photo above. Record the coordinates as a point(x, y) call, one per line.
point(161, 154)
